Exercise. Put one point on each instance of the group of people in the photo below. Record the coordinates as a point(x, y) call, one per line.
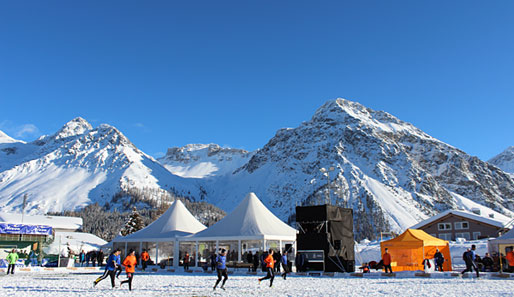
point(269, 260)
point(92, 257)
point(114, 265)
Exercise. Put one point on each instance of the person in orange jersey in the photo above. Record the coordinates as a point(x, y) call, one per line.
point(144, 258)
point(386, 258)
point(270, 264)
point(130, 267)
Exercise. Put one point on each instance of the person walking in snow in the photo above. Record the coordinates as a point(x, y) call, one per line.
point(110, 268)
point(130, 267)
point(221, 268)
point(439, 260)
point(12, 257)
point(386, 258)
point(469, 258)
point(283, 261)
point(270, 264)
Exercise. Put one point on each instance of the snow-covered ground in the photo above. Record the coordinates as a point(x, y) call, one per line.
point(198, 284)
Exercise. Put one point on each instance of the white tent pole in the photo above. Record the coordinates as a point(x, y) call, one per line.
point(280, 246)
point(239, 251)
point(176, 253)
point(264, 245)
point(196, 253)
point(157, 253)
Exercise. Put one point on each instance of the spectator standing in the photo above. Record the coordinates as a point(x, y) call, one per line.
point(144, 259)
point(439, 260)
point(12, 257)
point(386, 259)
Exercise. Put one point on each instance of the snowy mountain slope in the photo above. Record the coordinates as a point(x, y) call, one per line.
point(391, 173)
point(204, 160)
point(77, 166)
point(505, 160)
point(4, 138)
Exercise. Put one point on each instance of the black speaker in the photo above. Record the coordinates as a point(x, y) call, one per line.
point(329, 229)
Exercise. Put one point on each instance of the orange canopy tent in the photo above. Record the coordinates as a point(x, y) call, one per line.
point(409, 249)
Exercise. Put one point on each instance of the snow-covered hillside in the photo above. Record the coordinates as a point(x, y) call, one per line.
point(77, 166)
point(505, 160)
point(203, 160)
point(4, 138)
point(391, 173)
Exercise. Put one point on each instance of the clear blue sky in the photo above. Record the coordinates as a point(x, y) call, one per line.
point(169, 73)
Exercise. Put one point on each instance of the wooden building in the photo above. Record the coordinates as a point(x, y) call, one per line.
point(452, 224)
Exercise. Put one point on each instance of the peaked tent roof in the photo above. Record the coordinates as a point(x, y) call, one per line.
point(176, 221)
point(250, 219)
point(415, 237)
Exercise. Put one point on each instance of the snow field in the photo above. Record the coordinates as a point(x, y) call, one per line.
point(180, 284)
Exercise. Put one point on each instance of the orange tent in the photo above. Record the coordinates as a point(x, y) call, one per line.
point(413, 246)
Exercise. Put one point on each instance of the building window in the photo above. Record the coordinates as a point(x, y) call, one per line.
point(445, 236)
point(476, 235)
point(461, 225)
point(444, 226)
point(464, 235)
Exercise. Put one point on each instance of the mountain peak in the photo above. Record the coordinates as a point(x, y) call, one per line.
point(4, 138)
point(505, 160)
point(77, 126)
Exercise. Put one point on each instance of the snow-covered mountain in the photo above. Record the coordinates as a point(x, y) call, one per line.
point(4, 138)
point(204, 160)
point(505, 160)
point(77, 166)
point(391, 173)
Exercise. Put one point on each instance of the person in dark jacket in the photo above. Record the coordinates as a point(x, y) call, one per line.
point(100, 257)
point(469, 258)
point(276, 257)
point(299, 262)
point(221, 268)
point(93, 258)
point(487, 261)
point(439, 260)
point(213, 261)
point(255, 261)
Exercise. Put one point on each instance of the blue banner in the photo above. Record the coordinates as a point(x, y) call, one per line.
point(25, 229)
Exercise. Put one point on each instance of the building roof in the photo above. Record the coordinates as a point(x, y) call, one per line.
point(56, 222)
point(250, 219)
point(77, 241)
point(176, 221)
point(464, 214)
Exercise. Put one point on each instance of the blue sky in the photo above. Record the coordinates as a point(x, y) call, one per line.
point(169, 73)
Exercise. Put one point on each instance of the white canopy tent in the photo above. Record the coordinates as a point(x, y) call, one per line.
point(161, 235)
point(499, 244)
point(251, 226)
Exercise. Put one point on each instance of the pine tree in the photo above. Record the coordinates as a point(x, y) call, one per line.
point(134, 223)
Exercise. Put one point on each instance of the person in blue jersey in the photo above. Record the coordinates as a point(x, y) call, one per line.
point(110, 268)
point(221, 268)
point(283, 261)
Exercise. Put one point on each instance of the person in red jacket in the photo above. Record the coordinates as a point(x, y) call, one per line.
point(270, 264)
point(130, 263)
point(386, 258)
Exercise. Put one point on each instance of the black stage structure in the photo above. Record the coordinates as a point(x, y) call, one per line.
point(325, 237)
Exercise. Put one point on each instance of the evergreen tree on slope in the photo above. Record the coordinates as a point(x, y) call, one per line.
point(134, 223)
